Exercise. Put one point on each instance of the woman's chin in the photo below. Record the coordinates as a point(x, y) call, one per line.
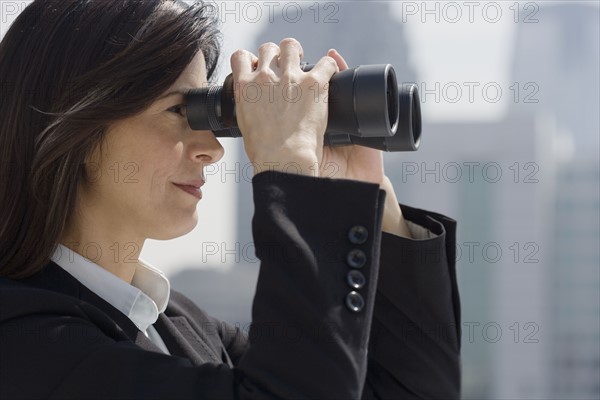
point(173, 231)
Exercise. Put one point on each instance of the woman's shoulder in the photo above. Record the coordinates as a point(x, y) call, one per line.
point(20, 298)
point(54, 297)
point(26, 302)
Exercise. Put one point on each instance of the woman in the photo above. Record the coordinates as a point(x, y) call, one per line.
point(356, 296)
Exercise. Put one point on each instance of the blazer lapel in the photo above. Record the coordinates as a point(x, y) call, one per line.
point(142, 341)
point(183, 341)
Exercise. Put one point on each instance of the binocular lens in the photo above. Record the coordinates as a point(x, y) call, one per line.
point(392, 101)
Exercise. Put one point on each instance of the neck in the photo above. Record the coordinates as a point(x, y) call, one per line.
point(113, 249)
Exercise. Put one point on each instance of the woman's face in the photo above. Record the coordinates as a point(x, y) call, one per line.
point(143, 158)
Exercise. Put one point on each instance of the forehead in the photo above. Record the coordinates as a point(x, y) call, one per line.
point(194, 75)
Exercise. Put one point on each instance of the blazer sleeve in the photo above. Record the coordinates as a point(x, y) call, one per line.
point(414, 340)
point(414, 351)
point(309, 326)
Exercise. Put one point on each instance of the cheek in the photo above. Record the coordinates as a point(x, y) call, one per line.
point(144, 159)
point(159, 165)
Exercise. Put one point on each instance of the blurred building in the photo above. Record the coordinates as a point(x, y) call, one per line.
point(573, 293)
point(561, 54)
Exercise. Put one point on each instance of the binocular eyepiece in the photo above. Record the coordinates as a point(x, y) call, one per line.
point(367, 107)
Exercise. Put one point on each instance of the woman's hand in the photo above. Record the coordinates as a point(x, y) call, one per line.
point(282, 113)
point(351, 162)
point(282, 110)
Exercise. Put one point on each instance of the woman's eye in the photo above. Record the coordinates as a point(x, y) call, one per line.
point(178, 109)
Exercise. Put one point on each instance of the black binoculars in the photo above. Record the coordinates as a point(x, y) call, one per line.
point(366, 107)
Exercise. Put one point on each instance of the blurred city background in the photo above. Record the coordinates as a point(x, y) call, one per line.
point(510, 102)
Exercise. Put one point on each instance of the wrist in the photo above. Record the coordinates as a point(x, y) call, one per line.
point(288, 163)
point(393, 220)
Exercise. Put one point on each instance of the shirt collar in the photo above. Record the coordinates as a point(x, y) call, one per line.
point(142, 301)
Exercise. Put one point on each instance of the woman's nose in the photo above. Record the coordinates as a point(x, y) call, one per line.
point(206, 148)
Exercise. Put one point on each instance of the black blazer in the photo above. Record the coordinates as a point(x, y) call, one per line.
point(59, 340)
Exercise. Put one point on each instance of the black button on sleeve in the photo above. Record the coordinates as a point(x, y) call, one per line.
point(356, 258)
point(356, 279)
point(355, 302)
point(358, 234)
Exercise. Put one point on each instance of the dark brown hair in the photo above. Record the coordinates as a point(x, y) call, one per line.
point(68, 70)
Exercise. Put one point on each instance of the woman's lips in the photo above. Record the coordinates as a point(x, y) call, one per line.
point(193, 190)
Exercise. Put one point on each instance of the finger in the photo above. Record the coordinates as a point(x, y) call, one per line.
point(342, 64)
point(291, 53)
point(325, 68)
point(243, 62)
point(267, 53)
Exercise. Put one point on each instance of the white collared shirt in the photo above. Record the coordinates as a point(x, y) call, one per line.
point(142, 301)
